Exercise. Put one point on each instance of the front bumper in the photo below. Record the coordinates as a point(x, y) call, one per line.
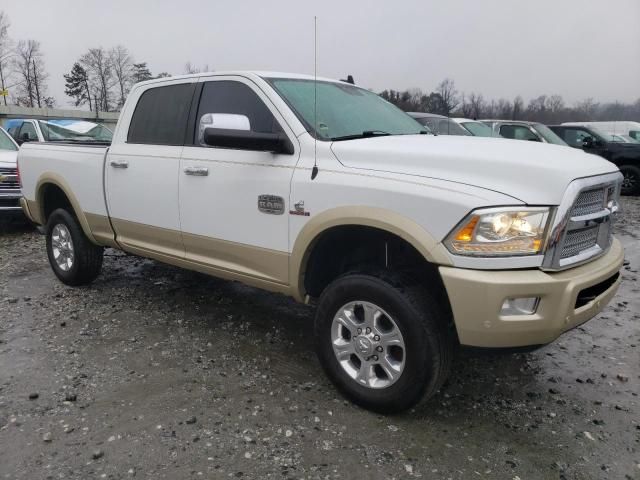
point(9, 203)
point(477, 296)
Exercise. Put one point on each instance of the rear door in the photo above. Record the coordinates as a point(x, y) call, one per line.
point(143, 170)
point(234, 204)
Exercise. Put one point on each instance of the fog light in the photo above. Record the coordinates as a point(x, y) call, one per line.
point(520, 306)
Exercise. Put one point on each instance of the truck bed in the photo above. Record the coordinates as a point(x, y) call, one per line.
point(75, 167)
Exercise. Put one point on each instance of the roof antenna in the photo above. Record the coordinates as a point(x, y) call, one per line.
point(314, 172)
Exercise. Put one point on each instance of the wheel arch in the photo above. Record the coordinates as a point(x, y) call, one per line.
point(380, 219)
point(45, 182)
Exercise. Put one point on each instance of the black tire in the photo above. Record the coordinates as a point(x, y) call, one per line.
point(87, 257)
point(631, 182)
point(424, 328)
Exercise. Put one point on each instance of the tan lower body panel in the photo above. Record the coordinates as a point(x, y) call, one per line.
point(254, 266)
point(149, 238)
point(101, 229)
point(476, 298)
point(270, 265)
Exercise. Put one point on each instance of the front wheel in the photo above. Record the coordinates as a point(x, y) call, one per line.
point(631, 180)
point(73, 258)
point(383, 344)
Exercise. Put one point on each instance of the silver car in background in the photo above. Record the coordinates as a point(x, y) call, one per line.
point(439, 124)
point(521, 130)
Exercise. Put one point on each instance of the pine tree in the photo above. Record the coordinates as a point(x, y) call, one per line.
point(77, 85)
point(140, 72)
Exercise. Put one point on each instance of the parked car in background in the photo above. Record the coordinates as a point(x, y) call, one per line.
point(624, 154)
point(439, 124)
point(31, 130)
point(521, 130)
point(624, 138)
point(632, 129)
point(9, 182)
point(409, 244)
point(476, 128)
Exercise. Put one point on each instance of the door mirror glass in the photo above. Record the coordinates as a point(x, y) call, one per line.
point(223, 121)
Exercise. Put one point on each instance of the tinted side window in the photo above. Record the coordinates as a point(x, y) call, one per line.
point(161, 115)
point(517, 132)
point(576, 137)
point(235, 98)
point(29, 130)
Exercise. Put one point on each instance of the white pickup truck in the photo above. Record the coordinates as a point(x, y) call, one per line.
point(409, 243)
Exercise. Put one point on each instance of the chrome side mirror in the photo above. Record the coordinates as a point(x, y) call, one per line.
point(224, 121)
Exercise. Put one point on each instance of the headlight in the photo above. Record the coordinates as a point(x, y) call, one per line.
point(490, 232)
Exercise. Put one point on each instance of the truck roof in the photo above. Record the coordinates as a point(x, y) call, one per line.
point(243, 73)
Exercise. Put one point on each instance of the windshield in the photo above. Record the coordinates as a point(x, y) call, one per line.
point(479, 129)
point(343, 111)
point(5, 142)
point(548, 135)
point(443, 126)
point(74, 130)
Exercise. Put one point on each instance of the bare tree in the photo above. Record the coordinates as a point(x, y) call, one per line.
point(189, 68)
point(518, 108)
point(476, 100)
point(466, 107)
point(122, 65)
point(447, 91)
point(504, 108)
point(101, 78)
point(29, 68)
point(6, 47)
point(555, 103)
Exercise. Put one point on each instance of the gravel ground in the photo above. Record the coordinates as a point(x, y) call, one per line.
point(156, 372)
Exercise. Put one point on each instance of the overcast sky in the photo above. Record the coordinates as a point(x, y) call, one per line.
point(501, 48)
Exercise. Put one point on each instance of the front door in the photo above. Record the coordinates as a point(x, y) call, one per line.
point(143, 170)
point(234, 204)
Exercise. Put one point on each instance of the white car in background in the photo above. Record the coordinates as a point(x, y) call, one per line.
point(476, 128)
point(55, 130)
point(9, 181)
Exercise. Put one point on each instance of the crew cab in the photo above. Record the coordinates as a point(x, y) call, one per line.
point(626, 155)
point(9, 185)
point(407, 243)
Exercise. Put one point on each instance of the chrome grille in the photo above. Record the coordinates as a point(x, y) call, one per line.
point(10, 184)
point(590, 201)
point(583, 222)
point(578, 241)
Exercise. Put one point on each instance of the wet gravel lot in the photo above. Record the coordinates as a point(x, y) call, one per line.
point(156, 372)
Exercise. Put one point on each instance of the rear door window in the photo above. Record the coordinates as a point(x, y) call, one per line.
point(161, 115)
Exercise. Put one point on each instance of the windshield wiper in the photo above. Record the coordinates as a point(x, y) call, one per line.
point(365, 134)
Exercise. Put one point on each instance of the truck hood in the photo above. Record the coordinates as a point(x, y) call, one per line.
point(8, 158)
point(534, 173)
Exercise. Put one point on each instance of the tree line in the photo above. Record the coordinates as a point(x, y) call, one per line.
point(549, 109)
point(102, 78)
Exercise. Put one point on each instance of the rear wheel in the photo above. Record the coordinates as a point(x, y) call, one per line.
point(73, 258)
point(383, 343)
point(631, 180)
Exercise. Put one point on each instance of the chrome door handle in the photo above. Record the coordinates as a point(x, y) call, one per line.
point(119, 164)
point(197, 171)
